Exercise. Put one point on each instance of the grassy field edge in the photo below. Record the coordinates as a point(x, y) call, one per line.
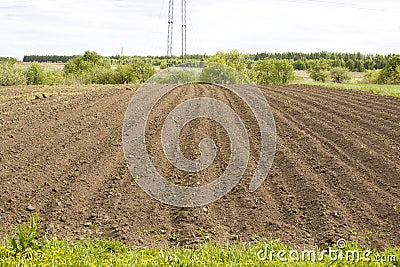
point(25, 248)
point(381, 89)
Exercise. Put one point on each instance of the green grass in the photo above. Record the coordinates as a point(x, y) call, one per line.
point(382, 89)
point(112, 253)
point(302, 77)
point(46, 66)
point(24, 248)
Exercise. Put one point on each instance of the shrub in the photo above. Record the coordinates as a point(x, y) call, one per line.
point(123, 74)
point(391, 72)
point(284, 71)
point(9, 60)
point(234, 59)
point(142, 71)
point(319, 70)
point(88, 69)
point(271, 71)
point(339, 74)
point(174, 76)
point(72, 66)
point(163, 65)
point(263, 71)
point(300, 65)
point(56, 78)
point(222, 74)
point(371, 77)
point(35, 74)
point(9, 75)
point(101, 75)
point(85, 63)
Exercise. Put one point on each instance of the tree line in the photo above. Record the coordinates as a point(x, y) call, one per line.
point(90, 68)
point(47, 58)
point(356, 62)
point(264, 68)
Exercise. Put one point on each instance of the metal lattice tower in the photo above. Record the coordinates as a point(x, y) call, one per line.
point(171, 30)
point(183, 30)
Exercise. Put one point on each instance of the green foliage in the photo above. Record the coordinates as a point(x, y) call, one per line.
point(234, 59)
point(24, 238)
point(26, 248)
point(72, 66)
point(163, 65)
point(387, 89)
point(391, 73)
point(54, 78)
point(271, 71)
point(138, 71)
point(339, 74)
point(339, 62)
point(300, 65)
point(142, 71)
point(47, 58)
point(353, 61)
point(91, 68)
point(261, 253)
point(35, 74)
point(284, 71)
point(371, 77)
point(124, 74)
point(222, 74)
point(9, 60)
point(10, 75)
point(319, 70)
point(85, 63)
point(263, 72)
point(101, 75)
point(175, 76)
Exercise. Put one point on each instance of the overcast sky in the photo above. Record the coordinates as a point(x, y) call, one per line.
point(68, 27)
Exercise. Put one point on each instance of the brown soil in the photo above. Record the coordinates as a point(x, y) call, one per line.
point(336, 172)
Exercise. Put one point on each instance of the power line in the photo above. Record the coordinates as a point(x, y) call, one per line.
point(193, 28)
point(156, 36)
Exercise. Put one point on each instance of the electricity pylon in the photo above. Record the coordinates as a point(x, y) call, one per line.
point(183, 30)
point(171, 29)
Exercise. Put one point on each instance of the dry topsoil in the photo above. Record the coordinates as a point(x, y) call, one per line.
point(336, 172)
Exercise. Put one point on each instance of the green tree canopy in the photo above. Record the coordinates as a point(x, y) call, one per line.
point(339, 74)
point(222, 74)
point(84, 63)
point(10, 75)
point(142, 71)
point(271, 71)
point(35, 74)
point(319, 70)
point(234, 59)
point(391, 73)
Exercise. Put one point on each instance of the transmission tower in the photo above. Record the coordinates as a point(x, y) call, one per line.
point(171, 30)
point(183, 30)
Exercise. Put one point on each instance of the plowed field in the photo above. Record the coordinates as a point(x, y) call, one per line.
point(336, 172)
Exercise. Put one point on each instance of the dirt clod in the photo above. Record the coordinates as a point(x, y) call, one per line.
point(31, 208)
